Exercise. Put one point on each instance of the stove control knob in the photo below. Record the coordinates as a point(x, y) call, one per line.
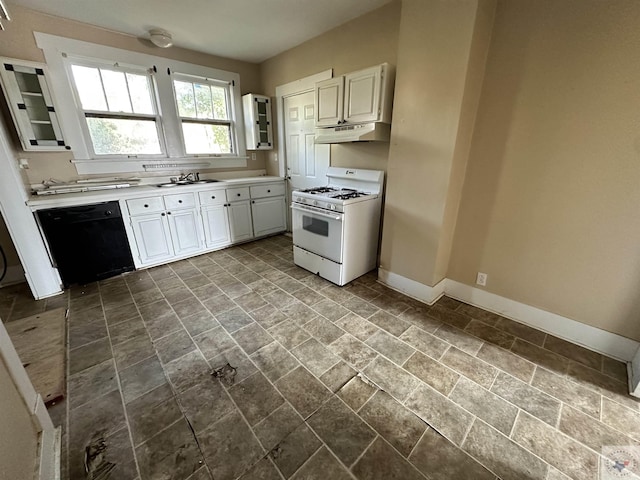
point(298, 199)
point(332, 207)
point(315, 202)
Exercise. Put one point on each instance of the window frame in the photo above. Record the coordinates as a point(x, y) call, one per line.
point(57, 52)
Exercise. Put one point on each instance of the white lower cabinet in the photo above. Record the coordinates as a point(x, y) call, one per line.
point(216, 226)
point(153, 237)
point(269, 216)
point(240, 223)
point(185, 228)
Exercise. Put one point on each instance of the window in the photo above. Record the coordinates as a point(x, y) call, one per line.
point(119, 109)
point(204, 112)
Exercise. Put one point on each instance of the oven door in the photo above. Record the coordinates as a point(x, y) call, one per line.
point(318, 231)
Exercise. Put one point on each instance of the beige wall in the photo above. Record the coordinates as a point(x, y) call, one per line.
point(550, 201)
point(19, 438)
point(366, 41)
point(18, 42)
point(433, 115)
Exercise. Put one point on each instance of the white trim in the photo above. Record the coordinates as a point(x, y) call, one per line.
point(303, 85)
point(15, 274)
point(411, 288)
point(595, 339)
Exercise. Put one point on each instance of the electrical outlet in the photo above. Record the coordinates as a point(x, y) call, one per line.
point(23, 163)
point(481, 279)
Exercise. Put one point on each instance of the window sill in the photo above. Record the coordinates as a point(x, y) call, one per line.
point(140, 165)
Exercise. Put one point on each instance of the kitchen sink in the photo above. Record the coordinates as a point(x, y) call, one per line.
point(185, 182)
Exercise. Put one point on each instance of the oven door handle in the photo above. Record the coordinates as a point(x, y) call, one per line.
point(316, 211)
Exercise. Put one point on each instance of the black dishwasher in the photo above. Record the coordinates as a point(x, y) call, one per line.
point(88, 242)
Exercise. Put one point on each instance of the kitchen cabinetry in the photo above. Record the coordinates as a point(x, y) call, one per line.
point(214, 218)
point(31, 104)
point(360, 97)
point(268, 209)
point(239, 212)
point(165, 227)
point(257, 122)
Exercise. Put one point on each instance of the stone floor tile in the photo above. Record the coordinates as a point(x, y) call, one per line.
point(382, 462)
point(91, 383)
point(289, 334)
point(389, 322)
point(356, 326)
point(315, 356)
point(219, 304)
point(152, 412)
point(250, 301)
point(214, 342)
point(187, 371)
point(432, 372)
point(489, 318)
point(263, 470)
point(337, 376)
point(308, 296)
point(277, 426)
point(520, 330)
point(87, 333)
point(242, 365)
point(172, 453)
point(120, 313)
point(303, 391)
point(490, 334)
point(439, 459)
point(205, 403)
point(353, 351)
point(490, 408)
point(559, 450)
point(163, 325)
point(234, 319)
point(252, 337)
point(268, 316)
point(389, 346)
point(155, 309)
point(574, 352)
point(341, 430)
point(133, 351)
point(541, 356)
point(614, 368)
point(279, 298)
point(400, 427)
point(621, 418)
point(229, 447)
point(478, 371)
point(337, 294)
point(141, 377)
point(419, 317)
point(169, 283)
point(256, 398)
point(526, 397)
point(584, 399)
point(445, 315)
point(179, 295)
point(391, 302)
point(321, 466)
point(205, 292)
point(196, 281)
point(391, 378)
point(274, 361)
point(199, 323)
point(360, 307)
point(174, 345)
point(507, 361)
point(356, 392)
point(440, 413)
point(460, 339)
point(298, 312)
point(425, 342)
point(501, 455)
point(330, 309)
point(147, 296)
point(89, 355)
point(604, 384)
point(127, 329)
point(323, 330)
point(295, 449)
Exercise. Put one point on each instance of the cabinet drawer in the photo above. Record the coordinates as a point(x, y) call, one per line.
point(269, 190)
point(180, 200)
point(235, 194)
point(212, 197)
point(139, 206)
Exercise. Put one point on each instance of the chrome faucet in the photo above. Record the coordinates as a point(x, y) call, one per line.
point(189, 177)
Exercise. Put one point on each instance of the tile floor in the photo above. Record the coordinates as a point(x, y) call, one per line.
point(238, 364)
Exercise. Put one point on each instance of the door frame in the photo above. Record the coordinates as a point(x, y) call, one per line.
point(303, 85)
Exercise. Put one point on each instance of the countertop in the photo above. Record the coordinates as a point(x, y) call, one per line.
point(37, 202)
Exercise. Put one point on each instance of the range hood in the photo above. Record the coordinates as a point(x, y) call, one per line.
point(366, 132)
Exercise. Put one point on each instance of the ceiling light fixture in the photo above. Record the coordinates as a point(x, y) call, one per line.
point(160, 38)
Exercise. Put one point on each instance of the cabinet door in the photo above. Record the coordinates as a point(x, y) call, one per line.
point(240, 221)
point(185, 231)
point(152, 237)
point(329, 102)
point(216, 226)
point(362, 95)
point(257, 116)
point(269, 216)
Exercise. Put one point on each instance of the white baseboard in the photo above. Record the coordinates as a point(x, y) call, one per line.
point(609, 344)
point(411, 288)
point(15, 274)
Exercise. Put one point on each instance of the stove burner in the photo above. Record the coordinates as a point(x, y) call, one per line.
point(347, 193)
point(317, 190)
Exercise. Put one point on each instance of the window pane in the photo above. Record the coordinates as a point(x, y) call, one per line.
point(112, 136)
point(203, 138)
point(89, 87)
point(115, 86)
point(185, 99)
point(220, 103)
point(203, 100)
point(140, 93)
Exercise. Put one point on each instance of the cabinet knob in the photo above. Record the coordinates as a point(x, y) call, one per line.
point(268, 191)
point(146, 205)
point(238, 194)
point(179, 201)
point(162, 214)
point(253, 201)
point(213, 197)
point(168, 213)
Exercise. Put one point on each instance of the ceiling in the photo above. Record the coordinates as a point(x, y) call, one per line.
point(250, 30)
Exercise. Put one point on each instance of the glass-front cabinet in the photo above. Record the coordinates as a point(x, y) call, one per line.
point(32, 108)
point(257, 122)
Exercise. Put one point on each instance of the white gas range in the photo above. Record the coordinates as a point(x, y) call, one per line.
point(336, 227)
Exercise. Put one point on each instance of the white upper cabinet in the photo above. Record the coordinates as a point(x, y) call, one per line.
point(359, 97)
point(27, 92)
point(257, 122)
